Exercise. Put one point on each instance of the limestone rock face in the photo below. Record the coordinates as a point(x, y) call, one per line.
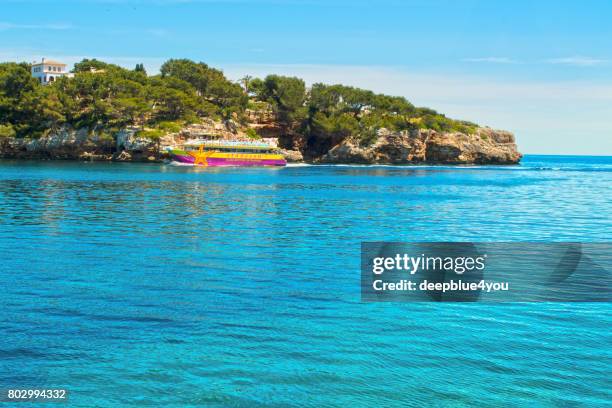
point(292, 156)
point(264, 122)
point(485, 146)
point(78, 144)
point(65, 143)
point(137, 148)
point(208, 127)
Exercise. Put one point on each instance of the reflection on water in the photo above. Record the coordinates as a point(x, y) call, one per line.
point(241, 286)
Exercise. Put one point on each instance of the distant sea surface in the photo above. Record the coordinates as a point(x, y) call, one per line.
point(155, 285)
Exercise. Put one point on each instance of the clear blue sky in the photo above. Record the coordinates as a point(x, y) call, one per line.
point(542, 69)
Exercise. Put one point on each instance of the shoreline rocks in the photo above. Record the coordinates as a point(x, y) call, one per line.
point(81, 144)
point(292, 156)
point(485, 146)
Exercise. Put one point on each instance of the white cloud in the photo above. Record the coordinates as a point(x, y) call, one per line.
point(55, 26)
point(577, 61)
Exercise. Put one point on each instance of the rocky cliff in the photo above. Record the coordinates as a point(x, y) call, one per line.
point(485, 146)
point(81, 144)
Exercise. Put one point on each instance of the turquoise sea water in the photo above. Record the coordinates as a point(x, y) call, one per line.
point(156, 285)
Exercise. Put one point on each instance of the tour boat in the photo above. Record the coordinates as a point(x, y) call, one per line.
point(218, 152)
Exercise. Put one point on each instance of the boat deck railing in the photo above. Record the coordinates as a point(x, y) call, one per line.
point(228, 143)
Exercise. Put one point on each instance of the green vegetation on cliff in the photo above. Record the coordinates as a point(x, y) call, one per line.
point(106, 96)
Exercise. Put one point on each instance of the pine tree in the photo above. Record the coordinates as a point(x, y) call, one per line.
point(140, 68)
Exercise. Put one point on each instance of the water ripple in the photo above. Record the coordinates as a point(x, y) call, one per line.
point(130, 284)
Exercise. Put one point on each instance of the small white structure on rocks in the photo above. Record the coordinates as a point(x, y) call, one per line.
point(48, 71)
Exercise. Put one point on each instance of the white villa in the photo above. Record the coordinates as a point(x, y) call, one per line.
point(48, 71)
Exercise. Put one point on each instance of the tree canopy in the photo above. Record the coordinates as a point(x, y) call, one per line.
point(327, 114)
point(103, 95)
point(210, 85)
